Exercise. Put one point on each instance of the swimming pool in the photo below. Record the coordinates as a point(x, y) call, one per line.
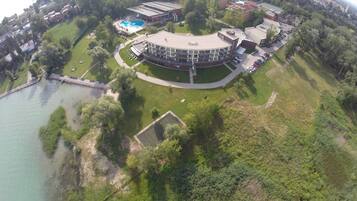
point(133, 23)
point(130, 26)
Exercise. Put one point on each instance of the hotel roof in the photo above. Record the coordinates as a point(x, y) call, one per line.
point(187, 42)
point(163, 6)
point(144, 10)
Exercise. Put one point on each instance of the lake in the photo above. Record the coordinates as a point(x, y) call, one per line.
point(25, 171)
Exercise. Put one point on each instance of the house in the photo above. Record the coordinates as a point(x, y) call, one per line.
point(271, 12)
point(258, 34)
point(246, 7)
point(153, 134)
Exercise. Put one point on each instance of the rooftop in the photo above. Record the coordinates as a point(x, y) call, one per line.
point(187, 42)
point(146, 11)
point(153, 134)
point(163, 6)
point(255, 34)
point(272, 8)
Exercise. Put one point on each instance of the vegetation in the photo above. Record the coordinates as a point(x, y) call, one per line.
point(125, 54)
point(123, 84)
point(50, 134)
point(212, 74)
point(151, 69)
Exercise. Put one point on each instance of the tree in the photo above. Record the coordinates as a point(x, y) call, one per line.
point(271, 32)
point(103, 113)
point(133, 162)
point(155, 113)
point(200, 120)
point(211, 24)
point(99, 56)
point(168, 152)
point(188, 6)
point(51, 56)
point(152, 29)
point(175, 132)
point(38, 24)
point(123, 84)
point(65, 42)
point(81, 23)
point(35, 69)
point(191, 19)
point(170, 27)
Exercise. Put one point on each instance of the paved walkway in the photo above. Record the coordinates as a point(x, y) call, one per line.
point(243, 66)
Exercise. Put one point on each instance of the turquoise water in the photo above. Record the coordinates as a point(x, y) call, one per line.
point(132, 23)
point(25, 172)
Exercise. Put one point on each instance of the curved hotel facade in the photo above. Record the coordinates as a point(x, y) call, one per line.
point(182, 51)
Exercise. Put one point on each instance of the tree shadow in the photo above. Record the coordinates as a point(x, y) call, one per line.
point(133, 113)
point(101, 74)
point(302, 74)
point(327, 73)
point(156, 186)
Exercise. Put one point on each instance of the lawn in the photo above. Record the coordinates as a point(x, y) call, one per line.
point(80, 61)
point(213, 74)
point(125, 54)
point(163, 73)
point(102, 75)
point(66, 29)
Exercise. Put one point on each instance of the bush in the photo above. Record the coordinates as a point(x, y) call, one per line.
point(50, 134)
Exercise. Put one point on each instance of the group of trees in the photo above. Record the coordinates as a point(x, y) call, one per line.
point(336, 46)
point(105, 114)
point(200, 122)
point(241, 20)
point(196, 12)
point(101, 8)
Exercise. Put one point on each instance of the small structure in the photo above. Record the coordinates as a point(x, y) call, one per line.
point(153, 134)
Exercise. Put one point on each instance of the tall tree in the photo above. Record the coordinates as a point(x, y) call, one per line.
point(123, 84)
point(99, 56)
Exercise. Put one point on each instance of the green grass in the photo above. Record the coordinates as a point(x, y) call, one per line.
point(125, 55)
point(212, 74)
point(163, 73)
point(79, 53)
point(66, 29)
point(202, 30)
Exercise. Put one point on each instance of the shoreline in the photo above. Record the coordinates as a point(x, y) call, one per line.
point(19, 88)
point(62, 79)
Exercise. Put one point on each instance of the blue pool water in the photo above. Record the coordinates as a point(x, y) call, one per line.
point(133, 23)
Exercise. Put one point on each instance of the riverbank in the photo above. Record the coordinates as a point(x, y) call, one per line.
point(19, 88)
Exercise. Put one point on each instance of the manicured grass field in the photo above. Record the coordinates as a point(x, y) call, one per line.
point(125, 54)
point(102, 75)
point(213, 74)
point(163, 73)
point(185, 29)
point(66, 29)
point(80, 61)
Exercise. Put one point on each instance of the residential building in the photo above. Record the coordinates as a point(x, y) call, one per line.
point(258, 34)
point(272, 12)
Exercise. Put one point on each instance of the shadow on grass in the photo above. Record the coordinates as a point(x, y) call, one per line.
point(156, 187)
point(133, 114)
point(325, 72)
point(101, 74)
point(302, 73)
